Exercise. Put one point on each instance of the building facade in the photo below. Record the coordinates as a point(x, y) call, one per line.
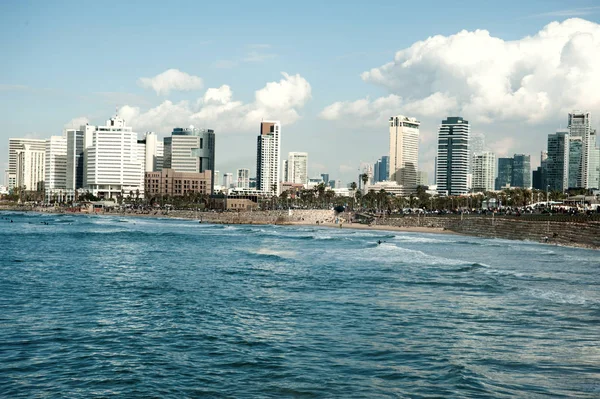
point(453, 161)
point(15, 144)
point(30, 167)
point(484, 171)
point(227, 180)
point(575, 161)
point(190, 150)
point(580, 125)
point(112, 164)
point(381, 169)
point(557, 164)
point(297, 167)
point(521, 171)
point(55, 185)
point(169, 182)
point(268, 154)
point(243, 178)
point(404, 152)
point(75, 160)
point(505, 172)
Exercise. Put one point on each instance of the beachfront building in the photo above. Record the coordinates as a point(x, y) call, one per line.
point(243, 178)
point(557, 164)
point(297, 168)
point(30, 167)
point(171, 183)
point(15, 144)
point(268, 152)
point(484, 170)
point(190, 150)
point(112, 166)
point(453, 161)
point(404, 152)
point(55, 169)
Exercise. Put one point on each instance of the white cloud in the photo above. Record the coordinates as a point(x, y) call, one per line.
point(171, 79)
point(216, 108)
point(255, 56)
point(572, 12)
point(489, 79)
point(517, 91)
point(76, 122)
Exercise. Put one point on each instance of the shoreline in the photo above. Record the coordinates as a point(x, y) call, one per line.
point(326, 219)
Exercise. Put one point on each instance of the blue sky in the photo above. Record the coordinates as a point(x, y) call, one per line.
point(81, 59)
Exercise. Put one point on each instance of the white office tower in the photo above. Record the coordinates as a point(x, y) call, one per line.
point(453, 156)
point(228, 180)
point(484, 171)
point(268, 153)
point(112, 163)
point(580, 125)
point(17, 144)
point(153, 152)
point(55, 185)
point(404, 152)
point(30, 168)
point(243, 179)
point(297, 168)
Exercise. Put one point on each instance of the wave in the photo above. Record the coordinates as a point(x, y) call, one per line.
point(418, 239)
point(560, 297)
point(274, 253)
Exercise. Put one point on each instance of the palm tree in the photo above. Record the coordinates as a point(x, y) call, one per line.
point(353, 186)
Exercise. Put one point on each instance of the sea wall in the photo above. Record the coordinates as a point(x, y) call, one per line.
point(563, 232)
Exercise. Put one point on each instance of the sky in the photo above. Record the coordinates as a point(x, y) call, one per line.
point(332, 72)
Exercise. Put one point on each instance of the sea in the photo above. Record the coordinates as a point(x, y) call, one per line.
point(111, 306)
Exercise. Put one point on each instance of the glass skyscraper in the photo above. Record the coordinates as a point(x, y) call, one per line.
point(453, 156)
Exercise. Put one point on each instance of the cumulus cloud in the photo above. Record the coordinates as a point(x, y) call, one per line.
point(488, 79)
point(170, 80)
point(76, 122)
point(217, 109)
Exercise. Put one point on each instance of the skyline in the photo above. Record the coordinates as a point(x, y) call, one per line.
point(325, 107)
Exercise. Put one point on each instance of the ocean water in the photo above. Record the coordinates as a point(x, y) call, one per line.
point(139, 308)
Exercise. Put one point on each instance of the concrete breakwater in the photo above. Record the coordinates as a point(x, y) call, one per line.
point(573, 233)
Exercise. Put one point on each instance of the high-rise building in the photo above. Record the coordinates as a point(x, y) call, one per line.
point(268, 154)
point(112, 165)
point(325, 178)
point(521, 171)
point(580, 125)
point(575, 161)
point(30, 167)
point(594, 162)
point(190, 150)
point(557, 164)
point(422, 178)
point(404, 152)
point(477, 143)
point(15, 144)
point(75, 158)
point(453, 156)
point(243, 178)
point(55, 184)
point(505, 172)
point(153, 152)
point(484, 170)
point(539, 175)
point(381, 169)
point(297, 167)
point(227, 180)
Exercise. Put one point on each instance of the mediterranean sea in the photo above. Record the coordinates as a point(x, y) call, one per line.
point(109, 306)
